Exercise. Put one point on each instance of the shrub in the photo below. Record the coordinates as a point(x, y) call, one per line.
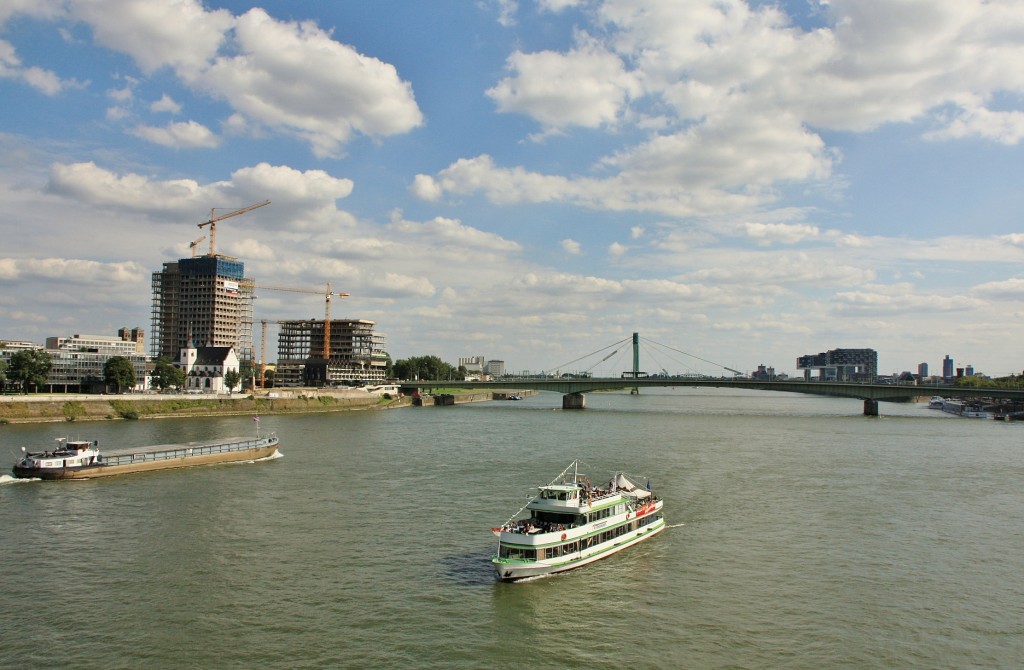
point(124, 409)
point(73, 410)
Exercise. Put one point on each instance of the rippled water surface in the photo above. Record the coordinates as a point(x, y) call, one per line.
point(803, 535)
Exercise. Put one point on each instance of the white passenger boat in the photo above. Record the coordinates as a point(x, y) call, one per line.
point(571, 523)
point(965, 410)
point(82, 459)
point(936, 402)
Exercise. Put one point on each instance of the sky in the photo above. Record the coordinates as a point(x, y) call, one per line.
point(743, 182)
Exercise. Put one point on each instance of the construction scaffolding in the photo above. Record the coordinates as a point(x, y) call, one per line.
point(206, 299)
point(357, 354)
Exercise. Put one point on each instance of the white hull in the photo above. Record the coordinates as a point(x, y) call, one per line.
point(966, 411)
point(572, 523)
point(513, 570)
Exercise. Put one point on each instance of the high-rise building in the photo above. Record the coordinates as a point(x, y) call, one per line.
point(947, 367)
point(357, 354)
point(922, 370)
point(841, 365)
point(207, 299)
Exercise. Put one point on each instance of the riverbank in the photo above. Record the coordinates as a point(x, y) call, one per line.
point(56, 407)
point(51, 408)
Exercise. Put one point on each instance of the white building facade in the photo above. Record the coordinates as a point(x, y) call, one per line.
point(206, 367)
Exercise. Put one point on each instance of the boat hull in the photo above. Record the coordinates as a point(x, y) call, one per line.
point(510, 571)
point(104, 470)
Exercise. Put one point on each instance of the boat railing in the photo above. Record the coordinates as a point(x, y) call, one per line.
point(184, 451)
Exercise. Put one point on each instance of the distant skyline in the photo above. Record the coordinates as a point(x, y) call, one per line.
point(531, 180)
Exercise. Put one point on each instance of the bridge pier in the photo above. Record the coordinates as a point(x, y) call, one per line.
point(574, 401)
point(870, 408)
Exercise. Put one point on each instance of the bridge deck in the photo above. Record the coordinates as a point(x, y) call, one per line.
point(890, 392)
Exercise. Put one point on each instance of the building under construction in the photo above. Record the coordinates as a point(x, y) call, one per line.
point(356, 354)
point(208, 299)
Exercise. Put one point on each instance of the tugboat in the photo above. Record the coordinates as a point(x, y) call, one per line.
point(571, 523)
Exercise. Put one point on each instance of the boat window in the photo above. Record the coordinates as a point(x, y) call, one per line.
point(517, 553)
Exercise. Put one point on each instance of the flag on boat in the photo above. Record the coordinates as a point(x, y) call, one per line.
point(256, 419)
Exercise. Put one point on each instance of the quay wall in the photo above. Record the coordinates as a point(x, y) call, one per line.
point(56, 407)
point(75, 407)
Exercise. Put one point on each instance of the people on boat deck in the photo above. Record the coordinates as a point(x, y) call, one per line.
point(527, 527)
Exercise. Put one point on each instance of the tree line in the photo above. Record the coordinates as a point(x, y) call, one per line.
point(29, 369)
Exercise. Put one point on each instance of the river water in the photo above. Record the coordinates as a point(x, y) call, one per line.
point(802, 535)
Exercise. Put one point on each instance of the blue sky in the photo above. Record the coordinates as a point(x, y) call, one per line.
point(531, 180)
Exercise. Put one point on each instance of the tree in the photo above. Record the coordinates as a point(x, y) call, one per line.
point(231, 379)
point(29, 367)
point(118, 371)
point(166, 375)
point(3, 372)
point(427, 368)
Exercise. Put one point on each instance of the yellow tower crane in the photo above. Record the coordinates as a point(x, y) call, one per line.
point(327, 321)
point(214, 218)
point(195, 243)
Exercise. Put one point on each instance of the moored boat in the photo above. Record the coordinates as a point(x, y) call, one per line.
point(571, 523)
point(82, 459)
point(936, 402)
point(966, 410)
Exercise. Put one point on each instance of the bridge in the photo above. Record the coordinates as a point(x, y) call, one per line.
point(574, 388)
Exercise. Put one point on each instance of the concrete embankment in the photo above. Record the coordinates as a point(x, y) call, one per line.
point(43, 408)
point(58, 407)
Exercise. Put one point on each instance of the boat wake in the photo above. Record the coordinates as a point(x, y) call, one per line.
point(8, 479)
point(276, 454)
point(675, 525)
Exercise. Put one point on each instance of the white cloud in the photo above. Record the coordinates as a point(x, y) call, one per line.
point(80, 271)
point(182, 34)
point(453, 232)
point(898, 299)
point(770, 233)
point(735, 94)
point(1003, 127)
point(184, 135)
point(1007, 289)
point(45, 81)
point(426, 187)
point(165, 104)
point(587, 87)
point(294, 78)
point(281, 183)
point(572, 247)
point(89, 183)
point(291, 77)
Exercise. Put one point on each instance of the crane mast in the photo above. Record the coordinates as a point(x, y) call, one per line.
point(212, 223)
point(327, 320)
